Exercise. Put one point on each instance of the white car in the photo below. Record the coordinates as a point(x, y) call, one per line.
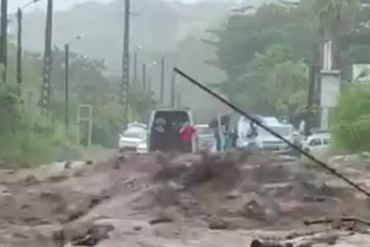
point(142, 147)
point(131, 138)
point(136, 124)
point(317, 144)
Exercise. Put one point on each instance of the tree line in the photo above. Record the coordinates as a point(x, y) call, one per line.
point(266, 52)
point(27, 137)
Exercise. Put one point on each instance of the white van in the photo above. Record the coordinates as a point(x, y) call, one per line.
point(164, 130)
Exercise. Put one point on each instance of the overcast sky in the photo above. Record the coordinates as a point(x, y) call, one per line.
point(60, 4)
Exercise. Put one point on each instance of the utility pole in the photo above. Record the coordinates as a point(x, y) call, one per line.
point(66, 87)
point(179, 99)
point(47, 66)
point(173, 89)
point(162, 78)
point(144, 76)
point(19, 71)
point(313, 70)
point(19, 49)
point(126, 61)
point(4, 38)
point(150, 85)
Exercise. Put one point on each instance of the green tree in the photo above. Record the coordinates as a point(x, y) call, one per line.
point(351, 117)
point(335, 18)
point(278, 40)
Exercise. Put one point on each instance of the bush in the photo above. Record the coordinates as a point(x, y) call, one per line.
point(351, 119)
point(25, 138)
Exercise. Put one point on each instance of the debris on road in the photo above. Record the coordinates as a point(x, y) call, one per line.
point(161, 199)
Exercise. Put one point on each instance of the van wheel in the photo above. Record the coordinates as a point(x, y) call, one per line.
point(307, 150)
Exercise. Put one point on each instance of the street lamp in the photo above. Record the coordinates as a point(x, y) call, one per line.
point(163, 61)
point(173, 89)
point(19, 42)
point(66, 80)
point(145, 66)
point(135, 63)
point(154, 63)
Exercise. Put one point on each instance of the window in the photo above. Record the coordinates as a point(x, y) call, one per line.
point(326, 141)
point(134, 132)
point(204, 131)
point(315, 142)
point(284, 131)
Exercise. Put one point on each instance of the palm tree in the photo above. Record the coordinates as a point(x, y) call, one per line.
point(334, 17)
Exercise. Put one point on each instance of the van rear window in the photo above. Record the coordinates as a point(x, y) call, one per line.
point(172, 116)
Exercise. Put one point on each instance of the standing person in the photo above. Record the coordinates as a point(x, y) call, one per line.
point(216, 133)
point(243, 129)
point(187, 133)
point(297, 141)
point(159, 130)
point(252, 136)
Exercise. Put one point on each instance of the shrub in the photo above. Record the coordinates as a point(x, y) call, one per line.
point(351, 119)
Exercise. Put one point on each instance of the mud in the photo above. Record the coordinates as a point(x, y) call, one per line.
point(178, 200)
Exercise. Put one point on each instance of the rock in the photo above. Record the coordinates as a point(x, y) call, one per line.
point(233, 195)
point(30, 180)
point(67, 165)
point(82, 233)
point(254, 208)
point(89, 162)
point(57, 178)
point(79, 173)
point(365, 155)
point(137, 228)
point(217, 224)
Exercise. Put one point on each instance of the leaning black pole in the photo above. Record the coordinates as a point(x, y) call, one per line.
point(4, 38)
point(19, 49)
point(47, 66)
point(261, 125)
point(125, 84)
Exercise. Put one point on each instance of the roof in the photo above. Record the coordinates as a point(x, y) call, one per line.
point(171, 109)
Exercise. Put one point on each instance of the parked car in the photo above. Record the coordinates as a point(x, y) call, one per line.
point(267, 141)
point(142, 147)
point(317, 144)
point(130, 139)
point(204, 137)
point(136, 124)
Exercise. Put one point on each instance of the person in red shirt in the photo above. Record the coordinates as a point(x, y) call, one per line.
point(187, 133)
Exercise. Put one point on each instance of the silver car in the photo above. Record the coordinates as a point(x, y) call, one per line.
point(266, 141)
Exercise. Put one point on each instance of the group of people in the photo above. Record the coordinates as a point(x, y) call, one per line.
point(170, 133)
point(227, 135)
point(230, 136)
